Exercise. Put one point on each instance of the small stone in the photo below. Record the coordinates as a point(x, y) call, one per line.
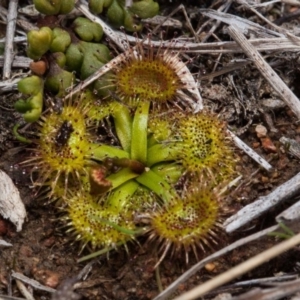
point(210, 267)
point(261, 131)
point(268, 145)
point(255, 145)
point(38, 67)
point(46, 277)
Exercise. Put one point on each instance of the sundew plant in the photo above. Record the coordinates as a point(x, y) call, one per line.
point(125, 157)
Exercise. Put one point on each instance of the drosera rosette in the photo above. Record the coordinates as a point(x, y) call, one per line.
point(100, 227)
point(200, 143)
point(106, 221)
point(148, 74)
point(192, 221)
point(65, 147)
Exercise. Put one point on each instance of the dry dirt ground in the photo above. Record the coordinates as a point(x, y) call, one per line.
point(42, 251)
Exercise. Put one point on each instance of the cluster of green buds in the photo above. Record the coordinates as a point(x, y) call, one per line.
point(120, 15)
point(58, 55)
point(54, 7)
point(116, 11)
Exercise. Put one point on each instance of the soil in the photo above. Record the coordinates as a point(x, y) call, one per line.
point(43, 251)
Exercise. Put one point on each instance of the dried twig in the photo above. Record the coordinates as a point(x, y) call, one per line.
point(10, 33)
point(4, 297)
point(292, 145)
point(18, 62)
point(290, 215)
point(241, 269)
point(222, 8)
point(4, 243)
point(244, 25)
point(184, 277)
point(11, 205)
point(270, 75)
point(280, 291)
point(31, 282)
point(24, 291)
point(285, 191)
point(249, 151)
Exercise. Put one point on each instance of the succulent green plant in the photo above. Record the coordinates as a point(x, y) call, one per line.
point(60, 40)
point(54, 7)
point(31, 108)
point(39, 42)
point(58, 79)
point(97, 6)
point(120, 15)
point(87, 30)
point(85, 58)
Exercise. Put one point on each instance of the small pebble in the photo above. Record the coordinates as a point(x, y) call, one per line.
point(38, 67)
point(255, 145)
point(46, 277)
point(268, 145)
point(261, 131)
point(210, 267)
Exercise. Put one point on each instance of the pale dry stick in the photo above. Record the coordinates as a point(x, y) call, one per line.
point(35, 284)
point(4, 243)
point(226, 69)
point(182, 8)
point(11, 205)
point(270, 75)
point(21, 22)
point(266, 280)
point(218, 22)
point(24, 291)
point(17, 39)
point(10, 33)
point(290, 2)
point(255, 209)
point(292, 146)
point(9, 85)
point(290, 215)
point(18, 61)
point(193, 270)
point(3, 297)
point(278, 28)
point(277, 291)
point(204, 25)
point(261, 44)
point(242, 24)
point(249, 151)
point(240, 269)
